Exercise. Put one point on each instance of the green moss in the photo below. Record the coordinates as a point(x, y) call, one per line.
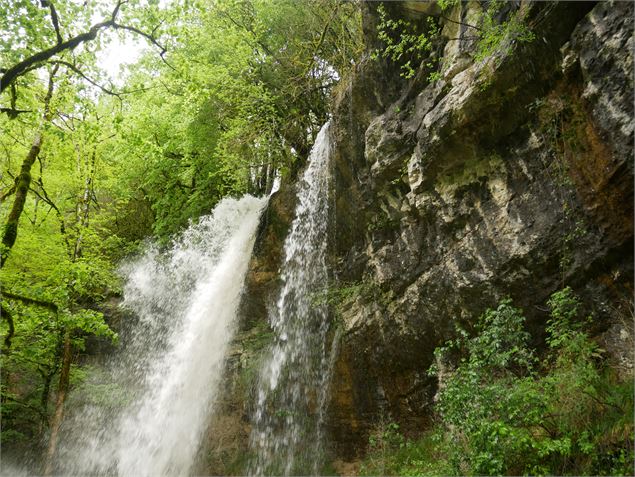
point(339, 296)
point(382, 221)
point(472, 168)
point(253, 344)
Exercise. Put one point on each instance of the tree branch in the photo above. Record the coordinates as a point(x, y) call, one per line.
point(27, 406)
point(461, 23)
point(6, 314)
point(45, 197)
point(108, 91)
point(7, 194)
point(31, 301)
point(320, 42)
point(13, 113)
point(148, 36)
point(74, 68)
point(36, 60)
point(25, 65)
point(54, 18)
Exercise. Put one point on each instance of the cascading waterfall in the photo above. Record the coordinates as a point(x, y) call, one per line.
point(164, 382)
point(293, 386)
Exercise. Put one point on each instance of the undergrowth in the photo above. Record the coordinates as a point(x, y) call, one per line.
point(502, 409)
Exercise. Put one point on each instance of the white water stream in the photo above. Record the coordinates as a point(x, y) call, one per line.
point(149, 420)
point(144, 412)
point(287, 433)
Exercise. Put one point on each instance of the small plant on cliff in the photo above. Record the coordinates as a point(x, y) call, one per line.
point(404, 44)
point(411, 45)
point(345, 293)
point(500, 36)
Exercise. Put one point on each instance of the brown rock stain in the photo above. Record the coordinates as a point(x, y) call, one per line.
point(603, 186)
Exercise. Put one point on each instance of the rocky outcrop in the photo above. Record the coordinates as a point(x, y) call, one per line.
point(509, 176)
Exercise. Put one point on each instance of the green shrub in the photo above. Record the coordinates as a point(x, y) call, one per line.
point(404, 44)
point(392, 454)
point(500, 37)
point(502, 411)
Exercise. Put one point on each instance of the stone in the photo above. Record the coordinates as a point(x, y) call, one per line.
point(459, 195)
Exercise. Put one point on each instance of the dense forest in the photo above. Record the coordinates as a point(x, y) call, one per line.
point(441, 354)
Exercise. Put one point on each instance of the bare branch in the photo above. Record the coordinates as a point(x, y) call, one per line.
point(148, 36)
point(461, 23)
point(12, 111)
point(74, 68)
point(45, 197)
point(115, 12)
point(67, 120)
point(108, 91)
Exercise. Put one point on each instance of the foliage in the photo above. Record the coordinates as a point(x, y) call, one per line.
point(496, 36)
point(233, 100)
point(395, 455)
point(503, 411)
point(341, 296)
point(447, 4)
point(404, 44)
point(247, 91)
point(345, 293)
point(413, 45)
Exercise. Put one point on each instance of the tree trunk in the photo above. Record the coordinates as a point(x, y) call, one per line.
point(6, 314)
point(23, 181)
point(44, 398)
point(83, 208)
point(62, 391)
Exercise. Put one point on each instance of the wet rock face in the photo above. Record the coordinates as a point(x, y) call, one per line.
point(603, 46)
point(225, 450)
point(508, 177)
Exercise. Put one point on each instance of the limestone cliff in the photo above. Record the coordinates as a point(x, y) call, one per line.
point(511, 175)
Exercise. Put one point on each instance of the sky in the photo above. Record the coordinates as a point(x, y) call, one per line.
point(119, 53)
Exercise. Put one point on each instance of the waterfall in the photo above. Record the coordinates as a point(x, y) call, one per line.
point(163, 384)
point(292, 391)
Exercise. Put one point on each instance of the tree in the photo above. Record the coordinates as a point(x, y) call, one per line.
point(60, 267)
point(32, 60)
point(247, 86)
point(250, 85)
point(23, 180)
